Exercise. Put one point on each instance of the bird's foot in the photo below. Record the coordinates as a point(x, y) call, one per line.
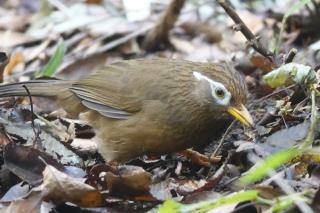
point(199, 158)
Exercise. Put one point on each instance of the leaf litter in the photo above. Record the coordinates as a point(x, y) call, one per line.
point(59, 169)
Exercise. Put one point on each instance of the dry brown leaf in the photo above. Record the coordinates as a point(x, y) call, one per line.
point(59, 188)
point(131, 181)
point(25, 162)
point(15, 59)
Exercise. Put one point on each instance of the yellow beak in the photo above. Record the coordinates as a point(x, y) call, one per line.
point(241, 114)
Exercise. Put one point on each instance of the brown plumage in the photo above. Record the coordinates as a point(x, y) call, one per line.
point(148, 106)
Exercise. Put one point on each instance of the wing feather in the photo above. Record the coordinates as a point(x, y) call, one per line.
point(114, 97)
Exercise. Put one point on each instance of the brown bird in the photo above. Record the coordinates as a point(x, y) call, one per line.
point(148, 106)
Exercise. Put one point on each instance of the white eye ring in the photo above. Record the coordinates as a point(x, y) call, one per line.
point(221, 95)
point(219, 92)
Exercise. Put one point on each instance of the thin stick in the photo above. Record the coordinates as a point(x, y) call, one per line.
point(31, 105)
point(222, 140)
point(313, 123)
point(36, 133)
point(269, 95)
point(252, 39)
point(289, 58)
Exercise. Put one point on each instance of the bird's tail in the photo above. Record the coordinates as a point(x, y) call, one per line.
point(47, 87)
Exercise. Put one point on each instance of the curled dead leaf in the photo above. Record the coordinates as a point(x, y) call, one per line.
point(59, 188)
point(130, 181)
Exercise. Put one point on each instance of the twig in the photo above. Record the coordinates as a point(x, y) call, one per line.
point(242, 27)
point(31, 105)
point(217, 176)
point(36, 133)
point(213, 155)
point(43, 160)
point(313, 123)
point(289, 58)
point(269, 95)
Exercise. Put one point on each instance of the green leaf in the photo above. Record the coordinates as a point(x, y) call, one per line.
point(261, 169)
point(172, 206)
point(51, 67)
point(285, 202)
point(290, 74)
point(296, 7)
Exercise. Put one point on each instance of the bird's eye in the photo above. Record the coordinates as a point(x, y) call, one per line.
point(220, 93)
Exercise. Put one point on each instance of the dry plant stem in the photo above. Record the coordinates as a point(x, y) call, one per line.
point(252, 39)
point(307, 143)
point(269, 95)
point(213, 180)
point(213, 155)
point(36, 133)
point(159, 35)
point(289, 58)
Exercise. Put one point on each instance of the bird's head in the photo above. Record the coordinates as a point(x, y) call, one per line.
point(226, 93)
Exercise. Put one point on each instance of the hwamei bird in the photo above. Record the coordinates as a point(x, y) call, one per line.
point(148, 106)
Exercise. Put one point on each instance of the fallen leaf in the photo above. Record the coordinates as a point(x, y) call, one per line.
point(80, 67)
point(16, 192)
point(29, 204)
point(262, 63)
point(289, 74)
point(59, 188)
point(130, 181)
point(15, 59)
point(10, 39)
point(27, 163)
point(171, 188)
point(286, 138)
point(21, 131)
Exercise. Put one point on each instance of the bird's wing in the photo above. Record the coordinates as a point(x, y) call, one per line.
point(110, 91)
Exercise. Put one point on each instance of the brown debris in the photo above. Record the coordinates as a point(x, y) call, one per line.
point(158, 37)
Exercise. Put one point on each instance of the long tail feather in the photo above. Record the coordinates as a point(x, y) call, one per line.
point(36, 88)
